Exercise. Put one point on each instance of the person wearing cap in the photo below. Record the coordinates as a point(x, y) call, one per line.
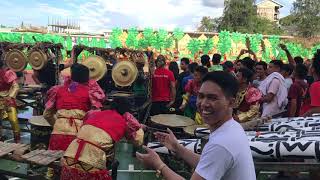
point(163, 88)
point(69, 103)
point(92, 152)
point(9, 88)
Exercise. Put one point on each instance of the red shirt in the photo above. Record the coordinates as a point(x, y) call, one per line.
point(315, 94)
point(297, 91)
point(161, 85)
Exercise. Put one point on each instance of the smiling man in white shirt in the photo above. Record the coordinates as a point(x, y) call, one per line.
point(227, 154)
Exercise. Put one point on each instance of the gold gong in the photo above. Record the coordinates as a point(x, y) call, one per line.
point(37, 59)
point(97, 67)
point(124, 73)
point(16, 60)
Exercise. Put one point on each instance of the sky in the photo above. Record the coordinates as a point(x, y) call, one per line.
point(101, 15)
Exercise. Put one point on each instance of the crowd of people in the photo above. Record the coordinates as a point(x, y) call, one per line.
point(219, 94)
point(274, 89)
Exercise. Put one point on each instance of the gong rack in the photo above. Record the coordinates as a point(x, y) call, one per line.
point(122, 54)
point(17, 55)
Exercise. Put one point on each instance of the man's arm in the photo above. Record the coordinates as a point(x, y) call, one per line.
point(293, 108)
point(289, 56)
point(311, 111)
point(268, 98)
point(35, 76)
point(191, 158)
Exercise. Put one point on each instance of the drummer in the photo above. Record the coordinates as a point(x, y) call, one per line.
point(70, 102)
point(8, 91)
point(90, 154)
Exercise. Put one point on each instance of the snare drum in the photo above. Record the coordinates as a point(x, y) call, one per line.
point(190, 130)
point(175, 122)
point(40, 132)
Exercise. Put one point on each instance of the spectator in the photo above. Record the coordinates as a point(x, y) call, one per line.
point(184, 63)
point(286, 72)
point(174, 68)
point(205, 61)
point(314, 90)
point(192, 89)
point(227, 154)
point(216, 58)
point(228, 67)
point(247, 62)
point(248, 98)
point(191, 68)
point(163, 88)
point(274, 91)
point(261, 73)
point(297, 90)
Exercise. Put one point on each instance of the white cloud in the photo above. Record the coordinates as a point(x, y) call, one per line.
point(54, 11)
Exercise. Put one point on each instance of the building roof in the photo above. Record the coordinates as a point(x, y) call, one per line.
point(276, 2)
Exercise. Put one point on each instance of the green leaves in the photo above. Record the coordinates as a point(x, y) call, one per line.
point(178, 34)
point(224, 44)
point(194, 46)
point(207, 45)
point(114, 38)
point(132, 41)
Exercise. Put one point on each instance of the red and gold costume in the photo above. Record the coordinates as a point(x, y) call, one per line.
point(8, 91)
point(69, 103)
point(248, 104)
point(88, 156)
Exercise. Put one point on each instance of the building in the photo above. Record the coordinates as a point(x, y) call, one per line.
point(269, 9)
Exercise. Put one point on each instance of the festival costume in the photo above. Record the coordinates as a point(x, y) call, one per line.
point(69, 103)
point(192, 89)
point(90, 154)
point(248, 104)
point(8, 91)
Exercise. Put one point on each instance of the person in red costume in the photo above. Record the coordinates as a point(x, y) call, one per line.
point(8, 91)
point(67, 105)
point(90, 154)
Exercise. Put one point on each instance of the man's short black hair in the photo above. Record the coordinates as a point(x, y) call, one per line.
point(277, 63)
point(248, 63)
point(202, 70)
point(216, 59)
point(287, 68)
point(1, 63)
point(185, 60)
point(205, 60)
point(263, 64)
point(227, 82)
point(246, 73)
point(121, 105)
point(79, 73)
point(298, 60)
point(301, 71)
point(192, 67)
point(316, 62)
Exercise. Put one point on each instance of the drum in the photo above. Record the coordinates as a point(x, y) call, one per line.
point(190, 130)
point(40, 132)
point(175, 122)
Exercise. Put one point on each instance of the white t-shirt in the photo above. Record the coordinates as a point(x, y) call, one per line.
point(227, 155)
point(288, 82)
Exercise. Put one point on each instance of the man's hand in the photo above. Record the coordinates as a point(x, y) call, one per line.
point(151, 159)
point(283, 47)
point(169, 140)
point(170, 104)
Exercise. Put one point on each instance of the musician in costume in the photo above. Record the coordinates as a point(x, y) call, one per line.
point(9, 88)
point(90, 154)
point(248, 98)
point(190, 98)
point(68, 103)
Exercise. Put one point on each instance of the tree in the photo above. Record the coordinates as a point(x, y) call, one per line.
point(208, 24)
point(238, 15)
point(307, 17)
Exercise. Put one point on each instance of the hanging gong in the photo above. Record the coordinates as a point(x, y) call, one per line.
point(97, 67)
point(16, 60)
point(124, 73)
point(37, 59)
